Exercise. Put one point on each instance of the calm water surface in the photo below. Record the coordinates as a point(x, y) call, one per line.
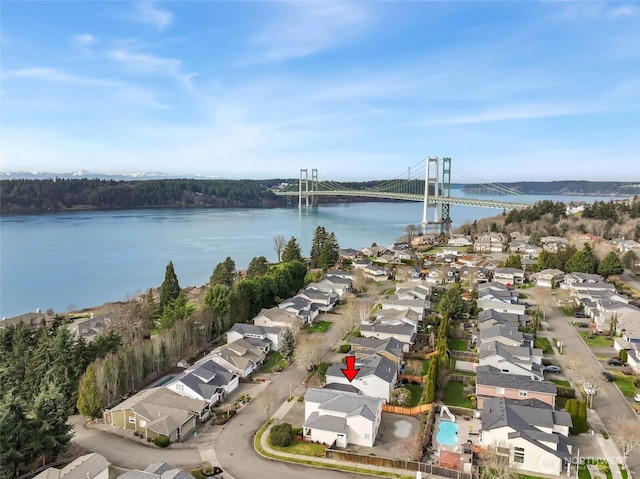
point(80, 259)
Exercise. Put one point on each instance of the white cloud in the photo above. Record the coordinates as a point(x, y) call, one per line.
point(148, 13)
point(147, 64)
point(83, 42)
point(123, 91)
point(306, 28)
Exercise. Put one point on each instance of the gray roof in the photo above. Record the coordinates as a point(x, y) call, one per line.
point(158, 470)
point(345, 403)
point(258, 342)
point(246, 328)
point(206, 378)
point(379, 366)
point(390, 345)
point(348, 388)
point(509, 331)
point(512, 353)
point(499, 317)
point(87, 466)
point(402, 329)
point(326, 423)
point(490, 376)
point(526, 421)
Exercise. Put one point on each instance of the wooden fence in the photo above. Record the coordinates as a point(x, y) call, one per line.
point(407, 411)
point(462, 378)
point(410, 377)
point(464, 354)
point(419, 355)
point(396, 464)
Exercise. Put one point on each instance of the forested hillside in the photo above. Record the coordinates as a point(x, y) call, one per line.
point(567, 187)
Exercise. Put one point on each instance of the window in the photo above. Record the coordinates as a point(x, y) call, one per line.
point(142, 423)
point(499, 390)
point(518, 455)
point(522, 394)
point(132, 419)
point(367, 436)
point(503, 451)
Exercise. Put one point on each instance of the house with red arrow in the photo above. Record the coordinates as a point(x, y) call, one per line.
point(375, 377)
point(341, 417)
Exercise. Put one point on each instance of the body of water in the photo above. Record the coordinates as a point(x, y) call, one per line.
point(80, 259)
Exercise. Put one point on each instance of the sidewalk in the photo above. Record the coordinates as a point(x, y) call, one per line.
point(329, 463)
point(608, 446)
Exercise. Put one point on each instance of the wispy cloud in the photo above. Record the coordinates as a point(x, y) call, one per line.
point(517, 112)
point(149, 14)
point(123, 91)
point(147, 64)
point(83, 42)
point(306, 28)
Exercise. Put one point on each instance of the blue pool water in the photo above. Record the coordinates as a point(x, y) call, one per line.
point(447, 433)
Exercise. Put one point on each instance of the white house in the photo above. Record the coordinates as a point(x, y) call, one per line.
point(276, 317)
point(506, 334)
point(376, 376)
point(404, 333)
point(418, 306)
point(548, 277)
point(324, 301)
point(531, 434)
point(460, 241)
point(491, 317)
point(508, 276)
point(205, 380)
point(239, 357)
point(340, 417)
point(375, 273)
point(304, 309)
point(88, 466)
point(519, 360)
point(268, 337)
point(396, 317)
point(333, 284)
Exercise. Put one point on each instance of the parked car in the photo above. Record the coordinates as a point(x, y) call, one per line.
point(614, 362)
point(583, 325)
point(608, 376)
point(553, 369)
point(579, 314)
point(636, 398)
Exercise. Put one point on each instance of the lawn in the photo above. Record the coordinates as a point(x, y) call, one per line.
point(561, 382)
point(625, 384)
point(457, 344)
point(273, 358)
point(416, 394)
point(454, 395)
point(597, 341)
point(425, 366)
point(301, 447)
point(560, 402)
point(544, 344)
point(320, 327)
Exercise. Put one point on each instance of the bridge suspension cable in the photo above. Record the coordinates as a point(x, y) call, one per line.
point(469, 176)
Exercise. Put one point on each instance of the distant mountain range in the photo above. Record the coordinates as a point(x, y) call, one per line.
point(45, 175)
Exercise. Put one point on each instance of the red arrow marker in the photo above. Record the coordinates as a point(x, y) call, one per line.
point(350, 372)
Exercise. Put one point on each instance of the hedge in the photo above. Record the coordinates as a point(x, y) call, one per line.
point(161, 441)
point(280, 435)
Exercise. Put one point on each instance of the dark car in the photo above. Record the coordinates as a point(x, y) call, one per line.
point(553, 369)
point(608, 376)
point(614, 362)
point(581, 315)
point(583, 325)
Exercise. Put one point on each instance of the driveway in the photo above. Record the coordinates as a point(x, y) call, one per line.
point(125, 453)
point(609, 402)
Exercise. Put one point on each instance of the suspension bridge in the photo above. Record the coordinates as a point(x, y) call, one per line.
point(428, 181)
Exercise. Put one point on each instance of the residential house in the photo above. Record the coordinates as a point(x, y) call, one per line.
point(520, 360)
point(490, 317)
point(158, 412)
point(489, 243)
point(404, 333)
point(376, 273)
point(338, 273)
point(341, 418)
point(333, 284)
point(376, 376)
point(494, 295)
point(508, 276)
point(90, 327)
point(367, 348)
point(490, 383)
point(87, 466)
point(553, 244)
point(624, 245)
point(324, 301)
point(304, 309)
point(205, 380)
point(518, 246)
point(268, 338)
point(460, 241)
point(361, 263)
point(160, 470)
point(506, 334)
point(31, 320)
point(239, 357)
point(411, 290)
point(531, 433)
point(395, 317)
point(582, 278)
point(348, 253)
point(472, 275)
point(373, 251)
point(418, 306)
point(276, 317)
point(548, 278)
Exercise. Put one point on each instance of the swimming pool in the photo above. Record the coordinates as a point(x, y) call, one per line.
point(447, 433)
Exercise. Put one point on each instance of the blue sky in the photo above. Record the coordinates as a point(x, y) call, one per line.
point(509, 90)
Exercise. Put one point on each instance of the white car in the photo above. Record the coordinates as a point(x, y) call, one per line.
point(636, 398)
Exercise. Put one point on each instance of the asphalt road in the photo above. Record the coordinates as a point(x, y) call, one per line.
point(579, 362)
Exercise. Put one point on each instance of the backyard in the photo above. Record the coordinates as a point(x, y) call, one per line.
point(457, 344)
point(454, 395)
point(273, 358)
point(319, 327)
point(544, 344)
point(416, 393)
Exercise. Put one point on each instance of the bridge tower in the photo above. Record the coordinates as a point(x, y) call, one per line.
point(436, 186)
point(303, 187)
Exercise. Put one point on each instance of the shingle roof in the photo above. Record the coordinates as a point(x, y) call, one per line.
point(87, 466)
point(486, 376)
point(379, 366)
point(348, 388)
point(326, 423)
point(344, 403)
point(246, 328)
point(400, 329)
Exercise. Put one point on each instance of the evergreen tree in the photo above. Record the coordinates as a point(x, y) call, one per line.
point(624, 356)
point(89, 396)
point(452, 305)
point(546, 260)
point(583, 261)
point(317, 243)
point(513, 261)
point(50, 421)
point(217, 301)
point(258, 267)
point(16, 436)
point(224, 273)
point(610, 265)
point(629, 259)
point(170, 289)
point(291, 251)
point(288, 344)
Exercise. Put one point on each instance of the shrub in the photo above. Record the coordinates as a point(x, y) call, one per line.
point(344, 348)
point(280, 435)
point(636, 382)
point(161, 441)
point(628, 371)
point(300, 398)
point(566, 392)
point(276, 369)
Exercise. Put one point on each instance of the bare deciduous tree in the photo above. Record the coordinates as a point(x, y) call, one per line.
point(268, 402)
point(626, 434)
point(496, 463)
point(278, 244)
point(307, 354)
